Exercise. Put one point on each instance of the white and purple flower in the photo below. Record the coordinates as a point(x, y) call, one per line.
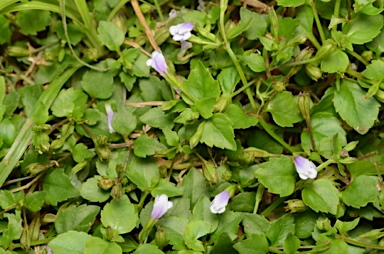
point(220, 202)
point(157, 62)
point(181, 32)
point(305, 168)
point(110, 115)
point(161, 206)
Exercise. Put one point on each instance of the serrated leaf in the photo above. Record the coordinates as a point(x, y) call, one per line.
point(256, 244)
point(280, 229)
point(124, 122)
point(206, 106)
point(155, 117)
point(361, 191)
point(278, 175)
point(58, 187)
point(76, 218)
point(284, 109)
point(240, 120)
point(375, 70)
point(34, 201)
point(143, 172)
point(245, 21)
point(145, 146)
point(67, 101)
point(200, 83)
point(336, 61)
point(148, 248)
point(254, 61)
point(120, 215)
point(354, 108)
point(110, 35)
point(167, 188)
point(32, 21)
point(98, 84)
point(195, 230)
point(5, 31)
point(321, 195)
point(228, 79)
point(363, 28)
point(218, 132)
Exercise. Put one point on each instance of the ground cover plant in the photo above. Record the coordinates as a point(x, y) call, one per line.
point(187, 127)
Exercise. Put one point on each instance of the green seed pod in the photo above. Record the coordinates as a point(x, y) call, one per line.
point(326, 49)
point(380, 95)
point(304, 104)
point(296, 206)
point(313, 71)
point(278, 86)
point(15, 51)
point(161, 238)
point(105, 184)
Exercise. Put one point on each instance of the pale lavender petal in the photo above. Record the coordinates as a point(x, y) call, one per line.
point(186, 27)
point(305, 168)
point(110, 115)
point(158, 62)
point(181, 31)
point(161, 206)
point(220, 202)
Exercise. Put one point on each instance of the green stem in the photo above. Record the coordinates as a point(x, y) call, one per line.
point(275, 250)
point(242, 89)
point(360, 244)
point(227, 46)
point(259, 196)
point(142, 199)
point(317, 20)
point(358, 57)
point(274, 135)
point(159, 10)
point(273, 206)
point(295, 63)
point(325, 164)
point(336, 11)
point(115, 9)
point(33, 243)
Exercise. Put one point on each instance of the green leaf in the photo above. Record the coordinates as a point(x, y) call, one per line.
point(336, 61)
point(5, 31)
point(280, 229)
point(29, 98)
point(223, 244)
point(70, 242)
point(218, 132)
point(13, 230)
point(97, 245)
point(258, 26)
point(98, 84)
point(305, 223)
point(120, 215)
point(81, 153)
point(256, 244)
point(240, 120)
point(145, 146)
point(7, 199)
point(245, 20)
point(344, 226)
point(58, 187)
point(34, 201)
point(202, 212)
point(91, 191)
point(195, 230)
point(67, 101)
point(363, 28)
point(321, 195)
point(167, 188)
point(155, 117)
point(278, 175)
point(76, 218)
point(243, 202)
point(290, 3)
point(143, 172)
point(291, 244)
point(229, 223)
point(110, 35)
point(200, 83)
point(228, 79)
point(148, 248)
point(32, 21)
point(171, 137)
point(374, 70)
point(284, 109)
point(206, 106)
point(359, 112)
point(192, 184)
point(40, 115)
point(361, 191)
point(75, 33)
point(255, 224)
point(254, 61)
point(124, 122)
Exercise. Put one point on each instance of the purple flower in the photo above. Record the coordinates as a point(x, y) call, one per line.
point(182, 32)
point(220, 202)
point(158, 62)
point(110, 115)
point(161, 206)
point(305, 168)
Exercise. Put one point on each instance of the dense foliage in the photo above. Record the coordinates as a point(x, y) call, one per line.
point(191, 127)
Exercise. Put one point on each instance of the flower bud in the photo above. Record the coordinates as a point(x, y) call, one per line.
point(220, 201)
point(222, 103)
point(146, 7)
point(158, 63)
point(209, 172)
point(120, 21)
point(15, 51)
point(324, 224)
point(305, 168)
point(367, 55)
point(57, 143)
point(278, 86)
point(161, 35)
point(196, 137)
point(105, 183)
point(380, 95)
point(296, 206)
point(91, 54)
point(304, 104)
point(181, 32)
point(304, 54)
point(326, 49)
point(313, 72)
point(34, 228)
point(161, 206)
point(117, 191)
point(160, 238)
